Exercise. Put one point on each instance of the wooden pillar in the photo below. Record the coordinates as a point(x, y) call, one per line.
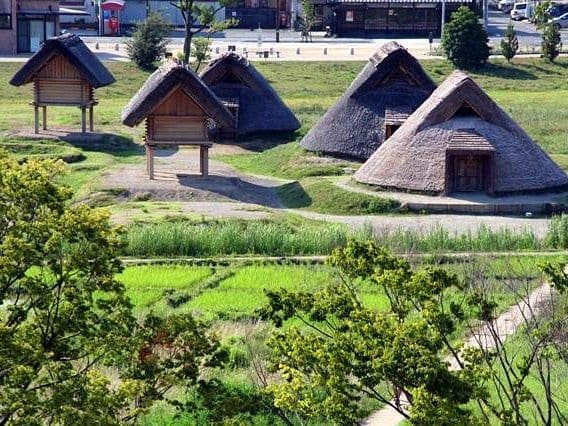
point(44, 119)
point(204, 160)
point(91, 128)
point(150, 161)
point(36, 119)
point(83, 119)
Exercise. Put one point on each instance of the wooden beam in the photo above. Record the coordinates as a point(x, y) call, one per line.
point(204, 160)
point(44, 120)
point(36, 119)
point(91, 128)
point(150, 152)
point(83, 120)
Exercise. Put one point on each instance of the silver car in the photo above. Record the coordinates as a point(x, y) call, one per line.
point(560, 21)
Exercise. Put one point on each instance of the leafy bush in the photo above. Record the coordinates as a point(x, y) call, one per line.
point(510, 43)
point(557, 236)
point(464, 40)
point(148, 43)
point(550, 42)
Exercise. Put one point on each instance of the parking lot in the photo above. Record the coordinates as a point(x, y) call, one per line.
point(526, 32)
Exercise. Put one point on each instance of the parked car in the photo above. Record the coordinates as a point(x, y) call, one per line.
point(519, 11)
point(505, 5)
point(558, 10)
point(560, 21)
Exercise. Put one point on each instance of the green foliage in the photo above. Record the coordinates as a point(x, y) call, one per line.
point(148, 43)
point(510, 43)
point(54, 260)
point(557, 235)
point(464, 41)
point(542, 14)
point(309, 15)
point(201, 51)
point(346, 351)
point(550, 41)
point(198, 16)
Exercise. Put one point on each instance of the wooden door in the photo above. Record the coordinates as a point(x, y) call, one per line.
point(468, 174)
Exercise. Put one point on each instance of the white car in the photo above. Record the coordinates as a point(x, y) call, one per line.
point(560, 21)
point(519, 11)
point(505, 5)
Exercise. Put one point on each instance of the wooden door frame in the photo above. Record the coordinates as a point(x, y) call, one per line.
point(488, 169)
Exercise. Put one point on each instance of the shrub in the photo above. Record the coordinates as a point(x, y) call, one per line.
point(148, 43)
point(464, 40)
point(510, 43)
point(550, 42)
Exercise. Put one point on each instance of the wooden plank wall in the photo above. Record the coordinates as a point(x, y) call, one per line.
point(59, 82)
point(174, 129)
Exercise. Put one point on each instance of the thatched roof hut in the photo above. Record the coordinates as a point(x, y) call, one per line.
point(388, 89)
point(73, 50)
point(459, 140)
point(179, 109)
point(163, 82)
point(64, 73)
point(255, 104)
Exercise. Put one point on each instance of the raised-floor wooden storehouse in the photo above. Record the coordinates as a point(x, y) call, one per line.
point(180, 110)
point(461, 141)
point(388, 89)
point(250, 97)
point(64, 72)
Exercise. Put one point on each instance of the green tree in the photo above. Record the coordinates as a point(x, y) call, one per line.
point(464, 41)
point(510, 43)
point(344, 351)
point(71, 351)
point(308, 19)
point(148, 43)
point(550, 41)
point(198, 16)
point(201, 51)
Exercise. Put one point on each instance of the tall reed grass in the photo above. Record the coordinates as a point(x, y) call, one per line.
point(293, 238)
point(235, 238)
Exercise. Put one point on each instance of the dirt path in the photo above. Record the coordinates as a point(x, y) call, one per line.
point(228, 193)
point(504, 326)
point(177, 179)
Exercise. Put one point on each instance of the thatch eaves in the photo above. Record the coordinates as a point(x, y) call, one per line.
point(460, 116)
point(231, 76)
point(392, 82)
point(75, 51)
point(162, 82)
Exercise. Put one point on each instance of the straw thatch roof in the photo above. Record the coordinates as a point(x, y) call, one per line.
point(75, 51)
point(162, 82)
point(390, 87)
point(233, 78)
point(460, 117)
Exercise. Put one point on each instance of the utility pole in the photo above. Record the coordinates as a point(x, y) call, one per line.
point(101, 22)
point(443, 18)
point(485, 17)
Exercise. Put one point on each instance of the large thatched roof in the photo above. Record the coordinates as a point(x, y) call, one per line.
point(75, 51)
point(391, 86)
point(460, 117)
point(233, 77)
point(162, 82)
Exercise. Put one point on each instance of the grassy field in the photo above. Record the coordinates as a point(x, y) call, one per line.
point(531, 90)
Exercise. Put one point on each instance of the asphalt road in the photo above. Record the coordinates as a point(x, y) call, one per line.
point(526, 32)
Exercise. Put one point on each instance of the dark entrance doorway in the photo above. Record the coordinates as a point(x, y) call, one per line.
point(469, 174)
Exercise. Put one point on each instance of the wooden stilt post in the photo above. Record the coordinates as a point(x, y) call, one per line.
point(36, 119)
point(44, 119)
point(151, 163)
point(83, 120)
point(205, 170)
point(91, 128)
point(201, 159)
